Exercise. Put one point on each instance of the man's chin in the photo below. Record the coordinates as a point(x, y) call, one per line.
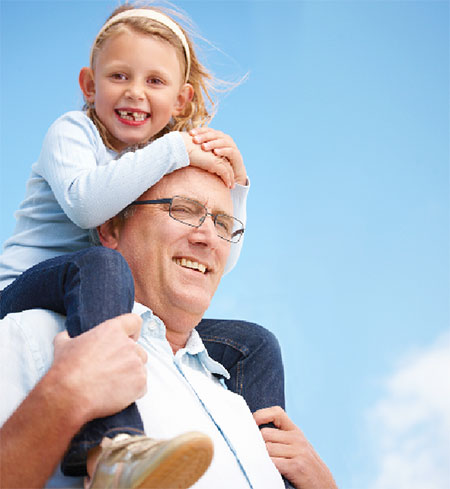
point(192, 302)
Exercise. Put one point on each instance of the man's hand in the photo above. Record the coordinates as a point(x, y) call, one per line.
point(95, 374)
point(291, 452)
point(104, 368)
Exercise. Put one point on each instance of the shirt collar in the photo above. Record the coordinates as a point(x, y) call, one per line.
point(153, 327)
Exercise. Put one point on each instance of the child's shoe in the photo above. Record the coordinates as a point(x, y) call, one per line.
point(138, 462)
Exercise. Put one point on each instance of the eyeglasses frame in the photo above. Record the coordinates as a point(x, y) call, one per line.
point(214, 216)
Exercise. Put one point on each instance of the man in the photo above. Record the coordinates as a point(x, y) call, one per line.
point(176, 269)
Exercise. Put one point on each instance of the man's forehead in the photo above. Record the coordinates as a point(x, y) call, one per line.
point(196, 184)
point(214, 203)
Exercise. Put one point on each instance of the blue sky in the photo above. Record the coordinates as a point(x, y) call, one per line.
point(344, 127)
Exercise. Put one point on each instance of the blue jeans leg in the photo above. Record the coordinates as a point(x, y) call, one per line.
point(89, 286)
point(252, 356)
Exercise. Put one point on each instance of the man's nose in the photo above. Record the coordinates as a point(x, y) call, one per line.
point(207, 230)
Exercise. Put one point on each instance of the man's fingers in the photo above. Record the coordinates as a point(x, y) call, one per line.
point(130, 323)
point(281, 464)
point(291, 452)
point(275, 415)
point(142, 354)
point(283, 450)
point(60, 339)
point(263, 416)
point(275, 435)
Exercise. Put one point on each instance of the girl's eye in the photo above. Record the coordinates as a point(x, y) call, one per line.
point(154, 81)
point(118, 76)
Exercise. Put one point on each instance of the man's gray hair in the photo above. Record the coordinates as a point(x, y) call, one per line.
point(94, 238)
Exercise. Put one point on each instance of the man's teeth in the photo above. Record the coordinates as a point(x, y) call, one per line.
point(132, 116)
point(183, 262)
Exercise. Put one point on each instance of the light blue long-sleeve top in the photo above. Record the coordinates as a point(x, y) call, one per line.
point(78, 183)
point(183, 395)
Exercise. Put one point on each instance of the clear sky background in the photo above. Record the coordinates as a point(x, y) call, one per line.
point(344, 127)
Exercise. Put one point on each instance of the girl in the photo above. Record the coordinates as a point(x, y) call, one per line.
point(144, 89)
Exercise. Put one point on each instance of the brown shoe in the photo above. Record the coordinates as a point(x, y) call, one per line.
point(138, 462)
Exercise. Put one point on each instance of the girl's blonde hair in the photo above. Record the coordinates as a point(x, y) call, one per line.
point(196, 112)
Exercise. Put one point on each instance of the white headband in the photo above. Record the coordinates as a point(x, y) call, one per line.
point(158, 17)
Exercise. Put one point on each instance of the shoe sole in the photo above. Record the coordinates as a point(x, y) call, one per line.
point(180, 464)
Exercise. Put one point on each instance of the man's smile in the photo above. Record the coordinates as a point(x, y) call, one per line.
point(193, 265)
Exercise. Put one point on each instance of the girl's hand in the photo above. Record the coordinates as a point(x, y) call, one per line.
point(221, 145)
point(291, 452)
point(208, 161)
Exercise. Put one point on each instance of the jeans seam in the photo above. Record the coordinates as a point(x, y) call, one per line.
point(239, 365)
point(240, 376)
point(226, 341)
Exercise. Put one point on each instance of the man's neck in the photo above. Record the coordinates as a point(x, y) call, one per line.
point(179, 328)
point(176, 340)
point(179, 325)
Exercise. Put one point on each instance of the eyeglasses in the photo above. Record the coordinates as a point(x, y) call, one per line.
point(193, 213)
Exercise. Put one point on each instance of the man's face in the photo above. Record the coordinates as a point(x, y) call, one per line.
point(157, 248)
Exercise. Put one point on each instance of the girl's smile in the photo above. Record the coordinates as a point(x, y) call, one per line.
point(132, 117)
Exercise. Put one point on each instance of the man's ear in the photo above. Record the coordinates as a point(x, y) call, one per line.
point(108, 234)
point(185, 95)
point(87, 84)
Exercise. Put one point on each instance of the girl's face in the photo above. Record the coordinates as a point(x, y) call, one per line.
point(136, 87)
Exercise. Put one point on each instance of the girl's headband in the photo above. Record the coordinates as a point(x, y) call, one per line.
point(152, 15)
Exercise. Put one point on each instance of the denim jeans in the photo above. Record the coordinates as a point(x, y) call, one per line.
point(88, 286)
point(251, 355)
point(96, 284)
